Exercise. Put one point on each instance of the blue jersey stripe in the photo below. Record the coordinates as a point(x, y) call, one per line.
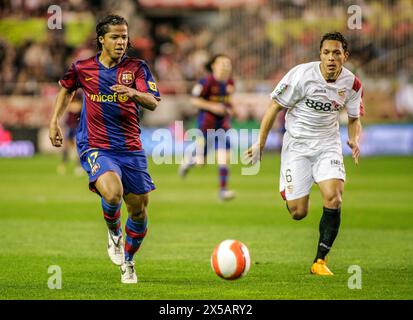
point(81, 131)
point(111, 110)
point(201, 117)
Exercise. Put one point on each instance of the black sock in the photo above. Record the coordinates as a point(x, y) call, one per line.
point(329, 225)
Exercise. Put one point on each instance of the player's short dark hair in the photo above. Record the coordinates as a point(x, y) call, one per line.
point(335, 36)
point(103, 26)
point(211, 61)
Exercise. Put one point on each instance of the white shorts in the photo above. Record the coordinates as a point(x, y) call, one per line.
point(304, 162)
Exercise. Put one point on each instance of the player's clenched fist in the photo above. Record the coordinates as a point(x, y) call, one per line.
point(355, 150)
point(253, 154)
point(55, 134)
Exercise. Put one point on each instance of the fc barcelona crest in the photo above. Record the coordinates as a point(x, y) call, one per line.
point(126, 78)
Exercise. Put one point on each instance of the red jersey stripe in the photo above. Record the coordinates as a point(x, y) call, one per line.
point(356, 84)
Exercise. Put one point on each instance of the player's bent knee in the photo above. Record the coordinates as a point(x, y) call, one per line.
point(299, 214)
point(333, 202)
point(298, 208)
point(113, 196)
point(110, 187)
point(136, 205)
point(138, 215)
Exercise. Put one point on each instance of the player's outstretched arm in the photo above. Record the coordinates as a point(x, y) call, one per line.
point(213, 107)
point(62, 101)
point(254, 153)
point(354, 132)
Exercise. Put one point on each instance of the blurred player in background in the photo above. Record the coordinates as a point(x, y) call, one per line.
point(212, 97)
point(69, 148)
point(115, 87)
point(313, 94)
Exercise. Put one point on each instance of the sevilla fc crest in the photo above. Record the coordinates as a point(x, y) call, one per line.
point(341, 92)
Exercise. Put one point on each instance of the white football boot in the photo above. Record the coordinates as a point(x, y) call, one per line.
point(116, 251)
point(184, 168)
point(127, 272)
point(225, 195)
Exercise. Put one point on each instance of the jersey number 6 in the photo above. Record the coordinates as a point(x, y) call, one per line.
point(288, 176)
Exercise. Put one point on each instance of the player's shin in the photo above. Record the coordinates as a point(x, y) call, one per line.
point(111, 213)
point(223, 176)
point(329, 226)
point(135, 233)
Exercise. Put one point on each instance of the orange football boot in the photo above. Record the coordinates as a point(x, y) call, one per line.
point(320, 268)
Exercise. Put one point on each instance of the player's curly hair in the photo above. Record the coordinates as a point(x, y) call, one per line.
point(103, 27)
point(335, 36)
point(208, 65)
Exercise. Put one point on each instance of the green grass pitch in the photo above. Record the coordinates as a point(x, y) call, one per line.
point(48, 219)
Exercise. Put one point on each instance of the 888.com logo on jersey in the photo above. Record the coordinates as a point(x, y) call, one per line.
point(323, 106)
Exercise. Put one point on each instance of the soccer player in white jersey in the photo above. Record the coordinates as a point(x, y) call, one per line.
point(313, 94)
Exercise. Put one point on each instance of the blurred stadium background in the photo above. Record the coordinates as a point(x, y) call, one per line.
point(265, 38)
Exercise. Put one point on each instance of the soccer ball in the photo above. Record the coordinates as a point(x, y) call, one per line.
point(231, 259)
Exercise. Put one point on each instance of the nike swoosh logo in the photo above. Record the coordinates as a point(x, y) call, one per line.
point(88, 78)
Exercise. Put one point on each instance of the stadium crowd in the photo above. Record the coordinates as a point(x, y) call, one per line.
point(263, 41)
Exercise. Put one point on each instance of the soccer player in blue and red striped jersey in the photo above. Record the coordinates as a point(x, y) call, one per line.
point(115, 88)
point(212, 97)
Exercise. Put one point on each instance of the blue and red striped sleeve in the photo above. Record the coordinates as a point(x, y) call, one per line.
point(145, 82)
point(202, 88)
point(70, 79)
